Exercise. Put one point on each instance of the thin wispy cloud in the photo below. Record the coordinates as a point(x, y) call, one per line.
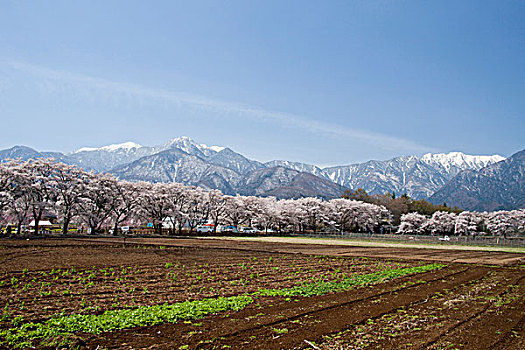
point(127, 93)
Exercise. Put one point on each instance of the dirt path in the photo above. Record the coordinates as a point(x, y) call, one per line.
point(451, 253)
point(27, 250)
point(339, 248)
point(363, 242)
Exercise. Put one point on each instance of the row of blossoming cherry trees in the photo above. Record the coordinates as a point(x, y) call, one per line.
point(38, 188)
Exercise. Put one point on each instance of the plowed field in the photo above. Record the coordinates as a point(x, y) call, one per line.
point(300, 296)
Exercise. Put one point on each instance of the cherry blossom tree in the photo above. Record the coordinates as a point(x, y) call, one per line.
point(177, 197)
point(314, 212)
point(154, 204)
point(16, 185)
point(218, 204)
point(291, 215)
point(6, 186)
point(235, 211)
point(412, 223)
point(253, 206)
point(504, 222)
point(30, 189)
point(41, 191)
point(69, 183)
point(97, 201)
point(125, 202)
point(269, 213)
point(467, 223)
point(197, 208)
point(356, 215)
point(441, 222)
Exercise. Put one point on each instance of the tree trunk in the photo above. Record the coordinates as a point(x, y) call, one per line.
point(65, 226)
point(37, 215)
point(215, 224)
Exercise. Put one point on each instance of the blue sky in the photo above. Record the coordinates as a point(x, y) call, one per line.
point(323, 82)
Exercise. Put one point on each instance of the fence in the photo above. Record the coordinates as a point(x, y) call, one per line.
point(488, 241)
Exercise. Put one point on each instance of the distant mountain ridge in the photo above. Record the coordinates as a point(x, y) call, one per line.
point(498, 186)
point(417, 177)
point(186, 161)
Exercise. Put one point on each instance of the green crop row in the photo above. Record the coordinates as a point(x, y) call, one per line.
point(323, 287)
point(59, 328)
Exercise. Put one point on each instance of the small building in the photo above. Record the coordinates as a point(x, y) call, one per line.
point(41, 223)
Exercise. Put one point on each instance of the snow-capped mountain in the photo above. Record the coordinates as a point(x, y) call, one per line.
point(417, 177)
point(303, 167)
point(454, 162)
point(120, 147)
point(234, 161)
point(186, 161)
point(399, 175)
point(189, 146)
point(175, 165)
point(108, 157)
point(498, 186)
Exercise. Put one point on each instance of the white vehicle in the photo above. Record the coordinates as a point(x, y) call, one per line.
point(204, 229)
point(248, 230)
point(446, 238)
point(228, 229)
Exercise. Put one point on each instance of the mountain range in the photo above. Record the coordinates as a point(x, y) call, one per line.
point(186, 161)
point(498, 186)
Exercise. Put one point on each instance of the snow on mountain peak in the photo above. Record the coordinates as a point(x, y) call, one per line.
point(186, 144)
point(126, 146)
point(215, 148)
point(460, 160)
point(182, 139)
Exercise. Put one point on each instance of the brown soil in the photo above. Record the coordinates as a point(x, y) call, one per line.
point(467, 306)
point(289, 245)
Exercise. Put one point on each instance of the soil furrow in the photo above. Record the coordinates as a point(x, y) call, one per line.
point(342, 314)
point(496, 319)
point(463, 305)
point(254, 322)
point(419, 325)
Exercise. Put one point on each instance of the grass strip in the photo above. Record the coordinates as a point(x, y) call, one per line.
point(323, 287)
point(363, 242)
point(59, 330)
